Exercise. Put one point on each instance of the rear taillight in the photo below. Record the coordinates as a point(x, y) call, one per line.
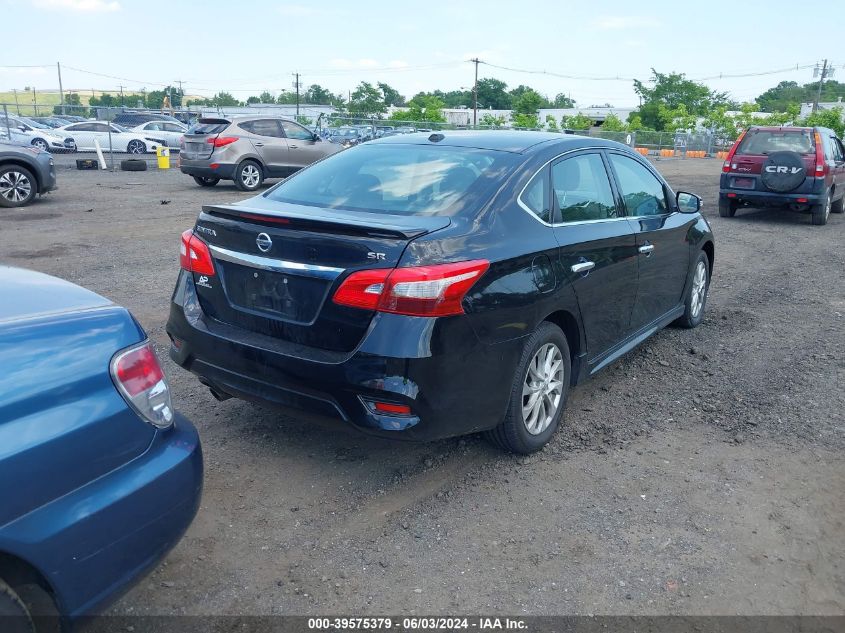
point(221, 141)
point(416, 291)
point(728, 166)
point(821, 165)
point(194, 255)
point(139, 378)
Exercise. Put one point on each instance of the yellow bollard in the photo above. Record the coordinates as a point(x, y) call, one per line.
point(163, 156)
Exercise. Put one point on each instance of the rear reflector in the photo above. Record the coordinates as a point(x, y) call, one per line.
point(415, 291)
point(801, 200)
point(731, 195)
point(139, 378)
point(391, 408)
point(194, 255)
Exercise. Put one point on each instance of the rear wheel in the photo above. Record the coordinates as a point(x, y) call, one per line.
point(17, 186)
point(699, 283)
point(839, 205)
point(248, 176)
point(538, 393)
point(136, 147)
point(727, 208)
point(821, 211)
point(203, 181)
point(14, 614)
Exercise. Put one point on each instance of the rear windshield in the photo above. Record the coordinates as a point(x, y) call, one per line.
point(208, 127)
point(768, 141)
point(398, 179)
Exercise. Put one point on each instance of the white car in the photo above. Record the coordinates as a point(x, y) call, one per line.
point(168, 131)
point(122, 140)
point(37, 134)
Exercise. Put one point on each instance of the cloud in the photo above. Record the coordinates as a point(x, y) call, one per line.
point(345, 64)
point(620, 22)
point(397, 63)
point(87, 6)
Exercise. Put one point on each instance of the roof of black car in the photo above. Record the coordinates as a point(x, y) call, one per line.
point(502, 140)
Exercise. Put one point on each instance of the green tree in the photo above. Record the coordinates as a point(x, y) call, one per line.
point(367, 101)
point(266, 97)
point(576, 122)
point(780, 97)
point(317, 95)
point(304, 120)
point(826, 118)
point(562, 101)
point(252, 99)
point(525, 108)
point(490, 120)
point(391, 96)
point(613, 123)
point(493, 95)
point(422, 108)
point(635, 123)
point(286, 97)
point(551, 123)
point(671, 91)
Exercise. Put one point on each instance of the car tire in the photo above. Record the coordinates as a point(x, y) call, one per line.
point(203, 181)
point(249, 176)
point(523, 431)
point(133, 164)
point(698, 285)
point(727, 208)
point(18, 186)
point(839, 205)
point(136, 147)
point(41, 144)
point(14, 614)
point(821, 211)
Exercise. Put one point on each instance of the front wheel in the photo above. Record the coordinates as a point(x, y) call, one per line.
point(248, 176)
point(14, 614)
point(136, 147)
point(538, 393)
point(41, 144)
point(696, 293)
point(204, 181)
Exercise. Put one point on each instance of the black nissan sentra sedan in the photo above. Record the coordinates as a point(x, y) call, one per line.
point(425, 286)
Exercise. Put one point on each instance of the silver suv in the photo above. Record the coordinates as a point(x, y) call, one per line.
point(248, 149)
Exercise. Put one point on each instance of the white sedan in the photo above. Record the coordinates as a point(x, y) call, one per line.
point(36, 134)
point(168, 131)
point(122, 140)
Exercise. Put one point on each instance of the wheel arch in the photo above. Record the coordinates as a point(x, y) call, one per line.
point(567, 322)
point(710, 250)
point(17, 571)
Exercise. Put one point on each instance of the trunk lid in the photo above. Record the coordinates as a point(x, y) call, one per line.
point(757, 145)
point(196, 140)
point(277, 267)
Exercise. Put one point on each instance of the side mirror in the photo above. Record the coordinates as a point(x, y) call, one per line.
point(22, 128)
point(315, 137)
point(688, 202)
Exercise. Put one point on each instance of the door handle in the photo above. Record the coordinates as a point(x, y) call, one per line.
point(646, 249)
point(293, 146)
point(583, 267)
point(259, 144)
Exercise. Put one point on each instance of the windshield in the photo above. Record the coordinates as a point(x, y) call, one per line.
point(768, 141)
point(119, 128)
point(399, 179)
point(35, 124)
point(344, 133)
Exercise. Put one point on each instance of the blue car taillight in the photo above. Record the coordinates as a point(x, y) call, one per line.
point(139, 378)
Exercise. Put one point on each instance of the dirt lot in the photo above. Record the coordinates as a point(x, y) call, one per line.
point(702, 474)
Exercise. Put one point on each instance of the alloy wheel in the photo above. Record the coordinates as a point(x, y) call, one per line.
point(15, 186)
point(542, 389)
point(136, 147)
point(699, 289)
point(40, 144)
point(250, 176)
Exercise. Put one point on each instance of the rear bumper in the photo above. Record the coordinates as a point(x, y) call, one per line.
point(204, 169)
point(810, 192)
point(453, 383)
point(94, 543)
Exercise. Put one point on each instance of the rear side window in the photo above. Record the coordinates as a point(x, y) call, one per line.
point(399, 179)
point(768, 141)
point(582, 189)
point(536, 196)
point(642, 192)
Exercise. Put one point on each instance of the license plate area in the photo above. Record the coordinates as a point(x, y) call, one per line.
point(742, 183)
point(293, 298)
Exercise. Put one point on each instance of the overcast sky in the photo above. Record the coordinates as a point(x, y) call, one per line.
point(247, 47)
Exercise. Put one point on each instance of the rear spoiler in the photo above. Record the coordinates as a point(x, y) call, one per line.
point(333, 220)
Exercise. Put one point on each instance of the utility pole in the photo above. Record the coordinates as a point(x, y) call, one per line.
point(181, 93)
point(17, 105)
point(296, 85)
point(821, 81)
point(122, 102)
point(61, 91)
point(35, 101)
point(476, 61)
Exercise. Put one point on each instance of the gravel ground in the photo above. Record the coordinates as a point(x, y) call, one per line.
point(701, 474)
